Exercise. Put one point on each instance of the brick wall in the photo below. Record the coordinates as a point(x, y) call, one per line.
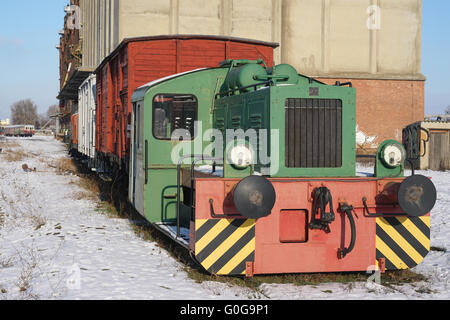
point(385, 107)
point(70, 51)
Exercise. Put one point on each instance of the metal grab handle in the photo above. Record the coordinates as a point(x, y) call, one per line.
point(214, 215)
point(375, 215)
point(226, 93)
point(339, 84)
point(146, 161)
point(348, 210)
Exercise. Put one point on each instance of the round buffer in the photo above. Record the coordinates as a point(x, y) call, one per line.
point(417, 195)
point(254, 197)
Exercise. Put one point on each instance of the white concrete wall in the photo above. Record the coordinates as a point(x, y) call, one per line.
point(322, 38)
point(99, 30)
point(332, 38)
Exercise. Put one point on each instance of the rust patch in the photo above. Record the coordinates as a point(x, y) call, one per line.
point(256, 198)
point(413, 194)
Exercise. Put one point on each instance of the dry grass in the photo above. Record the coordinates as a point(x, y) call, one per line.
point(15, 155)
point(38, 221)
point(64, 165)
point(10, 150)
point(84, 195)
point(29, 260)
point(67, 166)
point(108, 209)
point(6, 262)
point(144, 232)
point(90, 188)
point(89, 185)
point(8, 144)
point(388, 279)
point(25, 278)
point(2, 218)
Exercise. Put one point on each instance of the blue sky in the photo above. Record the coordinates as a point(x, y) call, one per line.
point(29, 60)
point(436, 54)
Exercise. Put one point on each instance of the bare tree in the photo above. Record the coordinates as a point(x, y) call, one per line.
point(52, 110)
point(24, 112)
point(447, 110)
point(44, 118)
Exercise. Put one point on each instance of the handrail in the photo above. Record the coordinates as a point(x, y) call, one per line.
point(375, 215)
point(226, 93)
point(214, 215)
point(197, 158)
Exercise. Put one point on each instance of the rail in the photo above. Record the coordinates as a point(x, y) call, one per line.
point(254, 86)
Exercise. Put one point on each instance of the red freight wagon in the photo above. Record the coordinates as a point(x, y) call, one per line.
point(137, 61)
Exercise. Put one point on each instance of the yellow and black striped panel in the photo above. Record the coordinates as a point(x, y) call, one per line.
point(402, 241)
point(224, 246)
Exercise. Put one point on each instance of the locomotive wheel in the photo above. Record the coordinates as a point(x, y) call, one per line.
point(417, 195)
point(254, 197)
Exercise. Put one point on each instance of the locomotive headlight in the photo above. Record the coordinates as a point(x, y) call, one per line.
point(393, 155)
point(241, 156)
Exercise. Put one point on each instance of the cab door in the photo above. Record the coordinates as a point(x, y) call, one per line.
point(136, 188)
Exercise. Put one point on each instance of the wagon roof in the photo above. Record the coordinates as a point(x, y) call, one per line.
point(183, 37)
point(139, 93)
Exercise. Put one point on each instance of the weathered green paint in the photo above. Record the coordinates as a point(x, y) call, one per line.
point(160, 197)
point(284, 74)
point(244, 111)
point(265, 109)
point(348, 97)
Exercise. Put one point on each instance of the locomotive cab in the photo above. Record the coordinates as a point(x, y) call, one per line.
point(164, 114)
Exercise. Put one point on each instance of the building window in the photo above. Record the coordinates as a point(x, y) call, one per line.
point(174, 112)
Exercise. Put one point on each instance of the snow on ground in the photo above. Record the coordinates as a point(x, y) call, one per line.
point(55, 245)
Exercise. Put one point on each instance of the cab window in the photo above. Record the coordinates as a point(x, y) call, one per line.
point(172, 112)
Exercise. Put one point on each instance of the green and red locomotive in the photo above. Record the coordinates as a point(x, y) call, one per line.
point(253, 169)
